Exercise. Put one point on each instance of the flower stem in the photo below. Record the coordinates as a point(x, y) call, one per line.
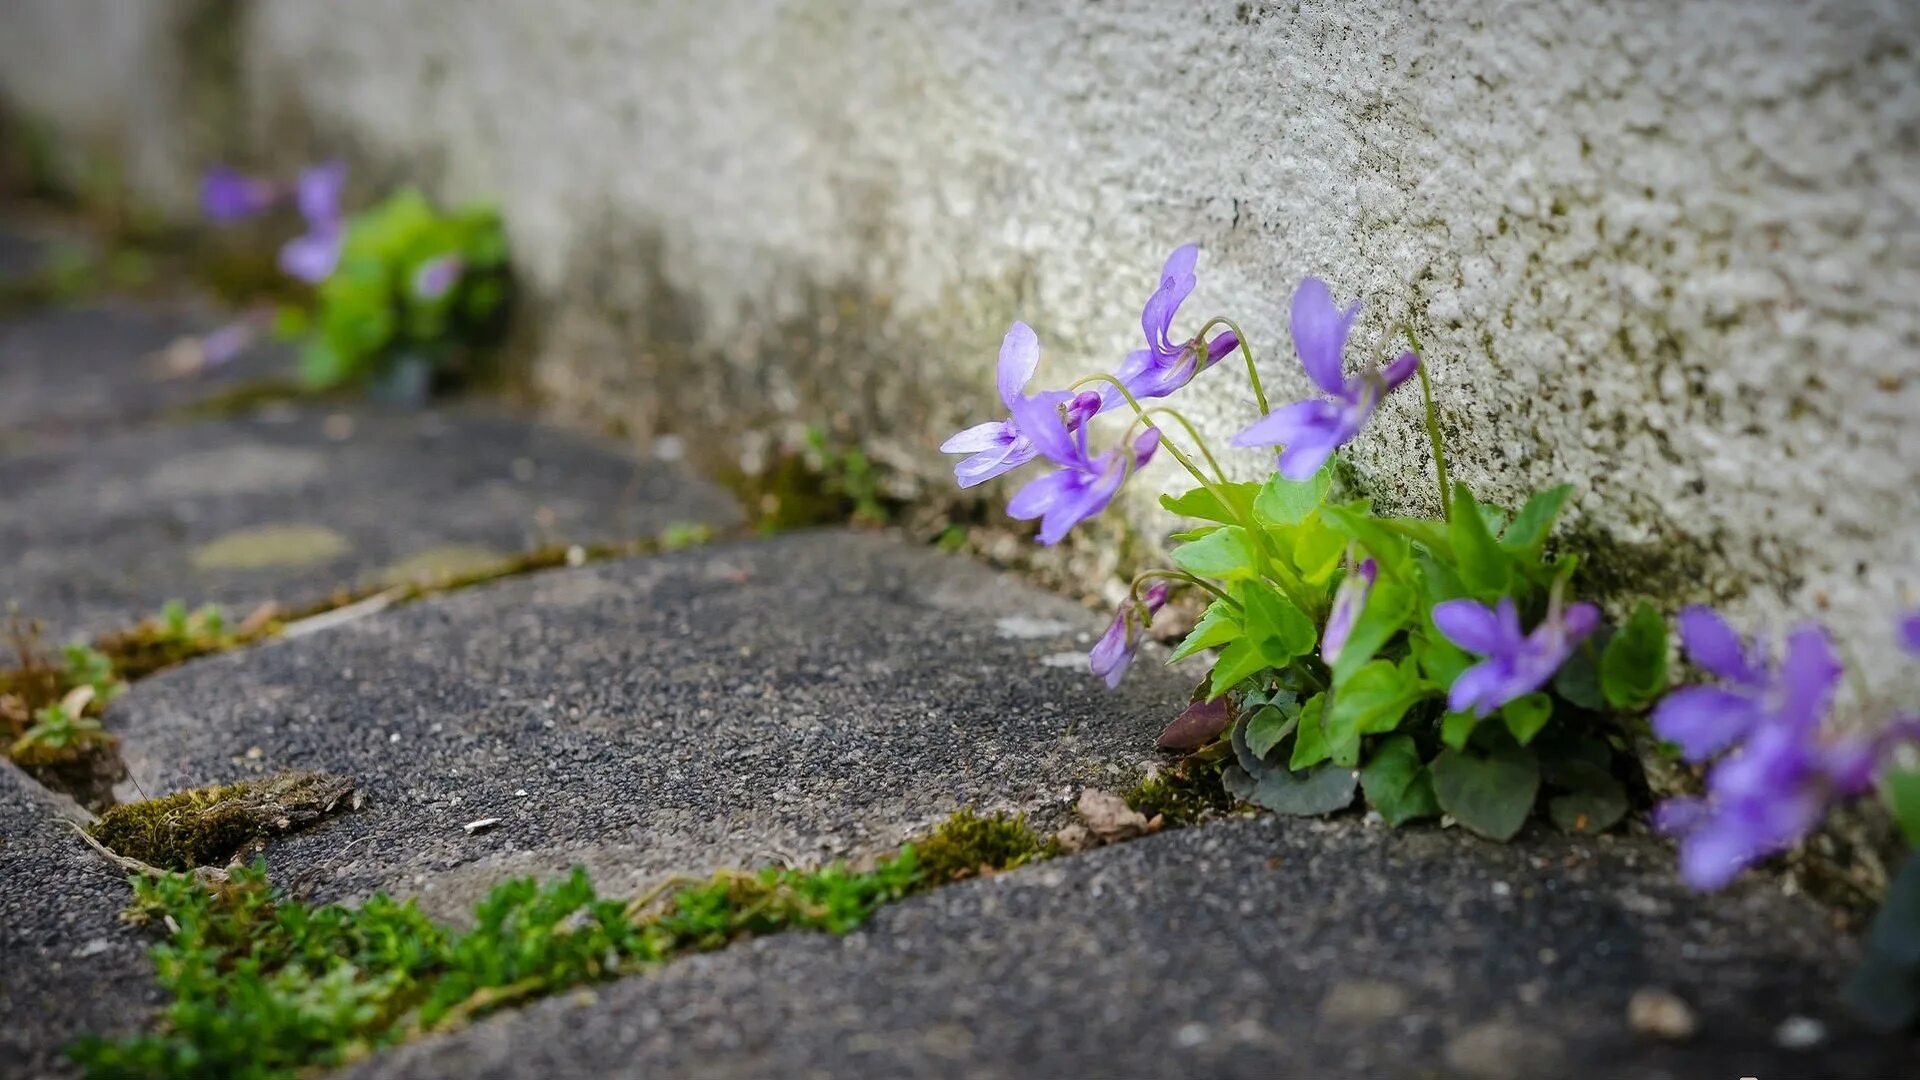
point(1200, 443)
point(1246, 351)
point(1180, 575)
point(1433, 433)
point(1178, 455)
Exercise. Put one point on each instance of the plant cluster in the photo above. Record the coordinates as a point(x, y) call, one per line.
point(50, 706)
point(1434, 665)
point(263, 985)
point(405, 297)
point(1438, 665)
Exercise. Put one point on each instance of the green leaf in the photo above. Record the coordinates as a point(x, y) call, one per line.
point(1266, 728)
point(1223, 555)
point(1205, 504)
point(1217, 626)
point(1633, 669)
point(1316, 549)
point(1578, 680)
point(1485, 570)
point(1355, 520)
point(1237, 661)
point(1397, 784)
point(1490, 795)
point(1456, 728)
point(1372, 702)
point(1526, 715)
point(1280, 630)
point(320, 366)
point(1528, 533)
point(1310, 740)
point(1431, 535)
point(1323, 790)
point(1288, 502)
point(1594, 801)
point(1441, 660)
point(1901, 790)
point(1389, 607)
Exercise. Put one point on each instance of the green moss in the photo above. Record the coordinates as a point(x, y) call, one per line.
point(1184, 795)
point(207, 826)
point(968, 844)
point(262, 985)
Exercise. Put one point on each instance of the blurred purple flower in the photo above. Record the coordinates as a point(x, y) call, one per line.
point(1769, 794)
point(1909, 632)
point(437, 276)
point(1704, 720)
point(312, 256)
point(1349, 600)
point(1165, 365)
point(1114, 651)
point(1516, 664)
point(223, 344)
point(1083, 485)
point(1310, 431)
point(227, 196)
point(1781, 777)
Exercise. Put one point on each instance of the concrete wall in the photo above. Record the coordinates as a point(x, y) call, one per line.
point(1668, 251)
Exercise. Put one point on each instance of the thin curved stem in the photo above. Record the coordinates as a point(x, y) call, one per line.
point(1246, 351)
point(1200, 443)
point(1178, 455)
point(1179, 575)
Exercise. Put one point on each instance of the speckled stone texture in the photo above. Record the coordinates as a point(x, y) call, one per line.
point(1260, 948)
point(1666, 252)
point(68, 965)
point(796, 699)
point(68, 374)
point(289, 507)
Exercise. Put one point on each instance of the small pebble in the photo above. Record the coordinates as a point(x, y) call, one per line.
point(1501, 888)
point(481, 825)
point(1660, 1014)
point(1190, 1035)
point(1799, 1033)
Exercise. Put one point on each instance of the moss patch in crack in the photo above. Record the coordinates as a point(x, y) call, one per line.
point(969, 844)
point(1185, 794)
point(49, 708)
point(208, 826)
point(266, 985)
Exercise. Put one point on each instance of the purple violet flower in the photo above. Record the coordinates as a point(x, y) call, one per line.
point(998, 446)
point(1114, 651)
point(1164, 365)
point(1909, 632)
point(1781, 777)
point(227, 196)
point(437, 276)
point(1310, 431)
point(1349, 600)
point(1516, 664)
point(312, 256)
point(1704, 720)
point(1083, 485)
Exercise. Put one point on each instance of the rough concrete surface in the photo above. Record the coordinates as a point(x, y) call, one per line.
point(70, 373)
point(800, 698)
point(291, 506)
point(68, 965)
point(1262, 948)
point(1664, 251)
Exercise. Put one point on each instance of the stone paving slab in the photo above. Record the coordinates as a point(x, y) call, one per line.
point(1262, 948)
point(291, 506)
point(67, 964)
point(70, 372)
point(791, 699)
